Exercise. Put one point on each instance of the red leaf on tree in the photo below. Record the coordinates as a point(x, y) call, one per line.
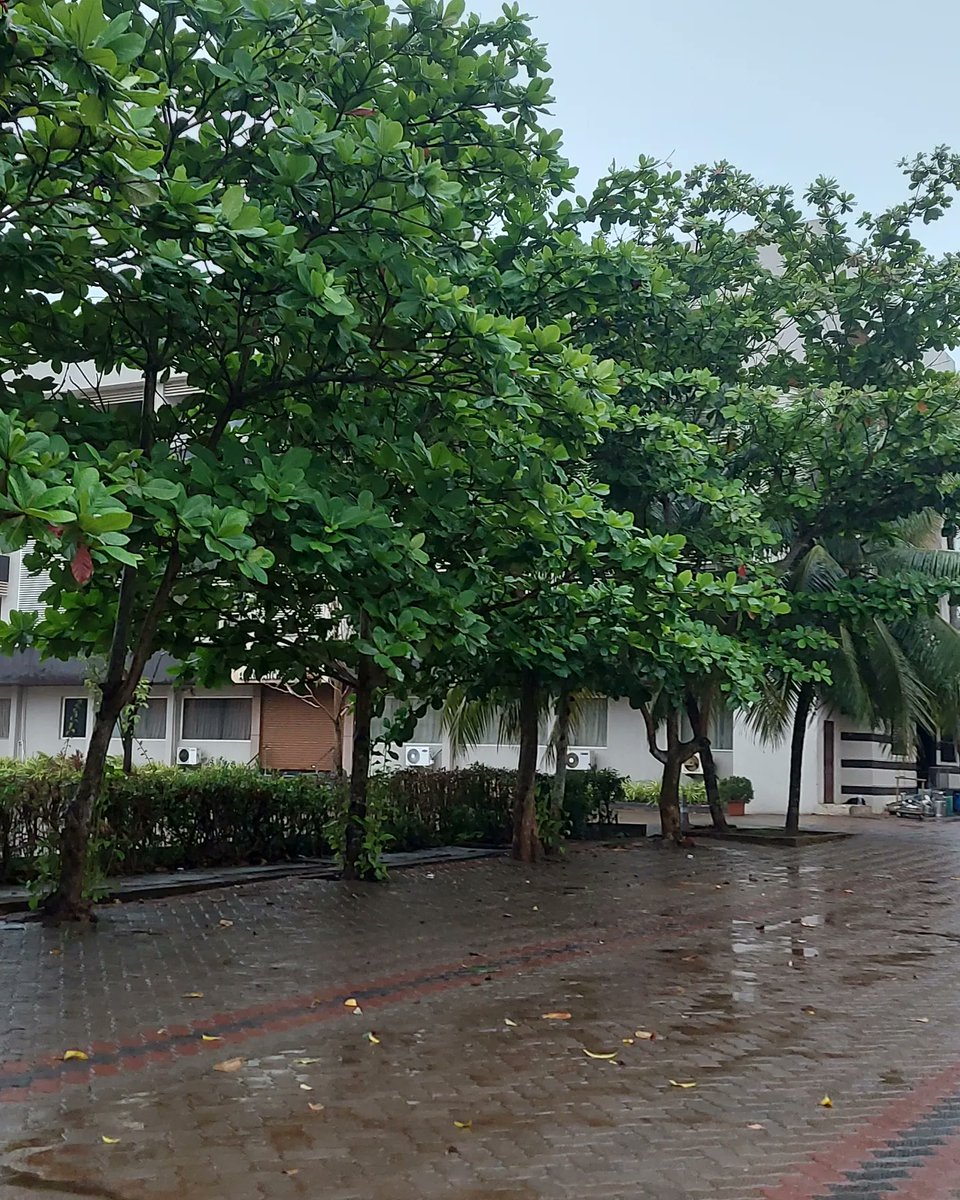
point(362, 112)
point(742, 571)
point(56, 530)
point(82, 565)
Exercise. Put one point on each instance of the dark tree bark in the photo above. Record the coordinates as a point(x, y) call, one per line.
point(797, 738)
point(671, 824)
point(699, 715)
point(561, 746)
point(359, 771)
point(526, 839)
point(126, 740)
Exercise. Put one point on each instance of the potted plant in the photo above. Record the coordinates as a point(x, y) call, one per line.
point(736, 792)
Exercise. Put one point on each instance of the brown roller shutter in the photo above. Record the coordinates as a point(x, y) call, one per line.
point(296, 735)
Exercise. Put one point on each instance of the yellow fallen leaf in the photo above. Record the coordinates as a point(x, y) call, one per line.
point(306, 1062)
point(211, 1037)
point(351, 1003)
point(826, 1102)
point(193, 995)
point(507, 1021)
point(372, 1037)
point(107, 1141)
point(314, 1107)
point(590, 1054)
point(628, 1041)
point(679, 1084)
point(305, 1087)
point(557, 1016)
point(463, 1124)
point(75, 1056)
point(231, 1064)
point(809, 1011)
point(644, 1035)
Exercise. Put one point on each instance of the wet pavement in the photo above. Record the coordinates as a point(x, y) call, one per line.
point(773, 978)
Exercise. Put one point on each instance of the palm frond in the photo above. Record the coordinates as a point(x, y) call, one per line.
point(847, 691)
point(900, 699)
point(933, 564)
point(922, 530)
point(817, 571)
point(770, 717)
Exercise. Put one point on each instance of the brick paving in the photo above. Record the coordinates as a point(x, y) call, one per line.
point(719, 954)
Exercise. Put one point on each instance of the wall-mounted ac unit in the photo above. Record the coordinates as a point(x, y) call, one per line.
point(692, 765)
point(579, 760)
point(188, 756)
point(418, 756)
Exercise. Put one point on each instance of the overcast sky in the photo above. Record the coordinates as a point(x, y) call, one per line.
point(786, 89)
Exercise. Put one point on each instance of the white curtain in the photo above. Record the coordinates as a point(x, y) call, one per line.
point(217, 720)
point(5, 718)
point(590, 727)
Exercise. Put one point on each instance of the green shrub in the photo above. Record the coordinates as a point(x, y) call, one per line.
point(647, 791)
point(736, 789)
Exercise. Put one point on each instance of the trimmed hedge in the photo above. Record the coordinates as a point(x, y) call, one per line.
point(167, 817)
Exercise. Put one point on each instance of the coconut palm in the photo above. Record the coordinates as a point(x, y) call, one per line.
point(902, 674)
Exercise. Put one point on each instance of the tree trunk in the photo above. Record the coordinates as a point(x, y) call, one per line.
point(670, 825)
point(800, 715)
point(698, 713)
point(359, 772)
point(526, 840)
point(561, 746)
point(126, 738)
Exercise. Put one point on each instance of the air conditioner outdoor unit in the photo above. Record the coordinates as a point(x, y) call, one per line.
point(579, 760)
point(692, 765)
point(417, 756)
point(188, 756)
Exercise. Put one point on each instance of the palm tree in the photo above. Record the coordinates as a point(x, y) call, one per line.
point(899, 674)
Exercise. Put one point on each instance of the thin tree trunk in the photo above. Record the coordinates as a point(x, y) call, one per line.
point(561, 746)
point(359, 772)
point(800, 715)
point(671, 825)
point(526, 840)
point(126, 739)
point(699, 715)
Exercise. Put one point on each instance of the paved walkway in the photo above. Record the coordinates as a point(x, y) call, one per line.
point(772, 978)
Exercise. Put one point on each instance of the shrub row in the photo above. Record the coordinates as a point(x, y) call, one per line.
point(220, 813)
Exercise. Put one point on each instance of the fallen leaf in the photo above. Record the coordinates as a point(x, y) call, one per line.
point(56, 953)
point(225, 924)
point(645, 1035)
point(108, 1141)
point(305, 1087)
point(211, 1037)
point(557, 1016)
point(231, 1064)
point(507, 1021)
point(922, 1020)
point(463, 1124)
point(754, 1125)
point(351, 1003)
point(590, 1054)
point(314, 1107)
point(808, 1011)
point(690, 958)
point(306, 1062)
point(372, 1037)
point(193, 995)
point(75, 1056)
point(826, 1102)
point(679, 1084)
point(291, 1170)
point(628, 1041)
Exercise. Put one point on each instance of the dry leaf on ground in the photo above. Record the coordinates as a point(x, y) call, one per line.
point(645, 1035)
point(922, 1020)
point(755, 1125)
point(681, 1084)
point(306, 1062)
point(230, 1064)
point(75, 1056)
point(108, 1141)
point(305, 1087)
point(372, 1037)
point(291, 1171)
point(314, 1107)
point(211, 1037)
point(192, 996)
point(590, 1054)
point(463, 1124)
point(628, 1041)
point(557, 1016)
point(507, 1021)
point(809, 1011)
point(225, 924)
point(351, 1003)
point(826, 1102)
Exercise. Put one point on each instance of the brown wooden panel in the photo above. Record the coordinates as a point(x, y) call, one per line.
point(295, 735)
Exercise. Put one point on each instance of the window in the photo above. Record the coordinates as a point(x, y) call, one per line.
point(427, 729)
point(5, 718)
point(151, 723)
point(721, 729)
point(217, 720)
point(73, 720)
point(493, 735)
point(590, 726)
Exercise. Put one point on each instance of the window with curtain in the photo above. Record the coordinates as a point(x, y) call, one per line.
point(221, 719)
point(151, 723)
point(492, 736)
point(590, 726)
point(721, 729)
point(73, 717)
point(5, 717)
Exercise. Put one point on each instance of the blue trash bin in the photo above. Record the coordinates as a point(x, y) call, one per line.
point(956, 803)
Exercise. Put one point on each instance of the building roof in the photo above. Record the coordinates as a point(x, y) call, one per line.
point(25, 668)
